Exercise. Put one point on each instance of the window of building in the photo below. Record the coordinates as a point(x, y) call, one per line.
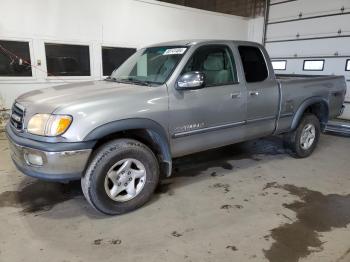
point(279, 64)
point(14, 59)
point(347, 65)
point(254, 65)
point(313, 65)
point(67, 60)
point(216, 62)
point(113, 57)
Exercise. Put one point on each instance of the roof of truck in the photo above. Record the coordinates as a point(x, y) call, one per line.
point(191, 42)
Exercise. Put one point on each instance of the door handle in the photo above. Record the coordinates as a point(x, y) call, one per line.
point(253, 93)
point(236, 95)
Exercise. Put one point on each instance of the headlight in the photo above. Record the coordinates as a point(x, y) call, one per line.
point(49, 125)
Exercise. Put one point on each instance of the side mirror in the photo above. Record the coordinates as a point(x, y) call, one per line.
point(190, 81)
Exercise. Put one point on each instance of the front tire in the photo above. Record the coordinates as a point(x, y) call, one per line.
point(304, 139)
point(121, 177)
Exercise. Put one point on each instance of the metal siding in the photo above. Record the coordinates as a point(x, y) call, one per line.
point(326, 26)
point(308, 8)
point(311, 48)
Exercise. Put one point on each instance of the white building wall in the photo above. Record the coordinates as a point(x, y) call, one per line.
point(311, 29)
point(256, 29)
point(125, 23)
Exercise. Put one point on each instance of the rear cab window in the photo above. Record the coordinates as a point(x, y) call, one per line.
point(254, 64)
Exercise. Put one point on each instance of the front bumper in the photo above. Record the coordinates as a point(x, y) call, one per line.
point(62, 166)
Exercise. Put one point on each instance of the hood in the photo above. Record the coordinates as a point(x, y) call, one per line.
point(49, 99)
point(93, 104)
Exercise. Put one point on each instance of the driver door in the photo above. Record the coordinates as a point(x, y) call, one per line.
point(212, 116)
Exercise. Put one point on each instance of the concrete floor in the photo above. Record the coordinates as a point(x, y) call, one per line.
point(248, 202)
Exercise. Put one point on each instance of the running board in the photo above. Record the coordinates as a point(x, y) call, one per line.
point(338, 127)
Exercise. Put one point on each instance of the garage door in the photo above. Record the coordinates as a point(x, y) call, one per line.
point(310, 37)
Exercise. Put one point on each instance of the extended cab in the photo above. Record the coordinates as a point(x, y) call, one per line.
point(165, 101)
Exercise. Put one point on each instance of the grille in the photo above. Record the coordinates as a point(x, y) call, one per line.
point(17, 116)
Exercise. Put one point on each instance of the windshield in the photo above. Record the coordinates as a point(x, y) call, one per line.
point(152, 65)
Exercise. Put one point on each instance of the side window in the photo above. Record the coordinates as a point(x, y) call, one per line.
point(254, 65)
point(67, 60)
point(14, 59)
point(216, 62)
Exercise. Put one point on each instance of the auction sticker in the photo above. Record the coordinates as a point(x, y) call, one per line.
point(175, 51)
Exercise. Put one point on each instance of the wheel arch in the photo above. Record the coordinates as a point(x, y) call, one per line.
point(146, 131)
point(315, 105)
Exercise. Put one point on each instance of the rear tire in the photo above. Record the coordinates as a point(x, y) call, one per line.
point(121, 177)
point(303, 141)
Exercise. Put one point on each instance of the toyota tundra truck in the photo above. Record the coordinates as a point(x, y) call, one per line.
point(119, 135)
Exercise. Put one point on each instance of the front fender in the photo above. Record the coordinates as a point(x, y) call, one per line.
point(156, 131)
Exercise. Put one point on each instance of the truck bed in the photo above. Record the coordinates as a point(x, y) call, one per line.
point(295, 88)
point(294, 77)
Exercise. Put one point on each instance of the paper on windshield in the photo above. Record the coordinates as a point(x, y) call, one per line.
point(175, 51)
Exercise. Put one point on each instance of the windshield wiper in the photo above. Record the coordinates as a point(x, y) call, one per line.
point(133, 81)
point(116, 80)
point(112, 79)
point(139, 82)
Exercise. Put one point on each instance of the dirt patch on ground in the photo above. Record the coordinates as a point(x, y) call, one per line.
point(40, 196)
point(316, 213)
point(100, 241)
point(196, 164)
point(225, 187)
point(176, 234)
point(233, 248)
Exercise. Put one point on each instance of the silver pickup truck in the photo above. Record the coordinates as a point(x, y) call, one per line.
point(168, 100)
